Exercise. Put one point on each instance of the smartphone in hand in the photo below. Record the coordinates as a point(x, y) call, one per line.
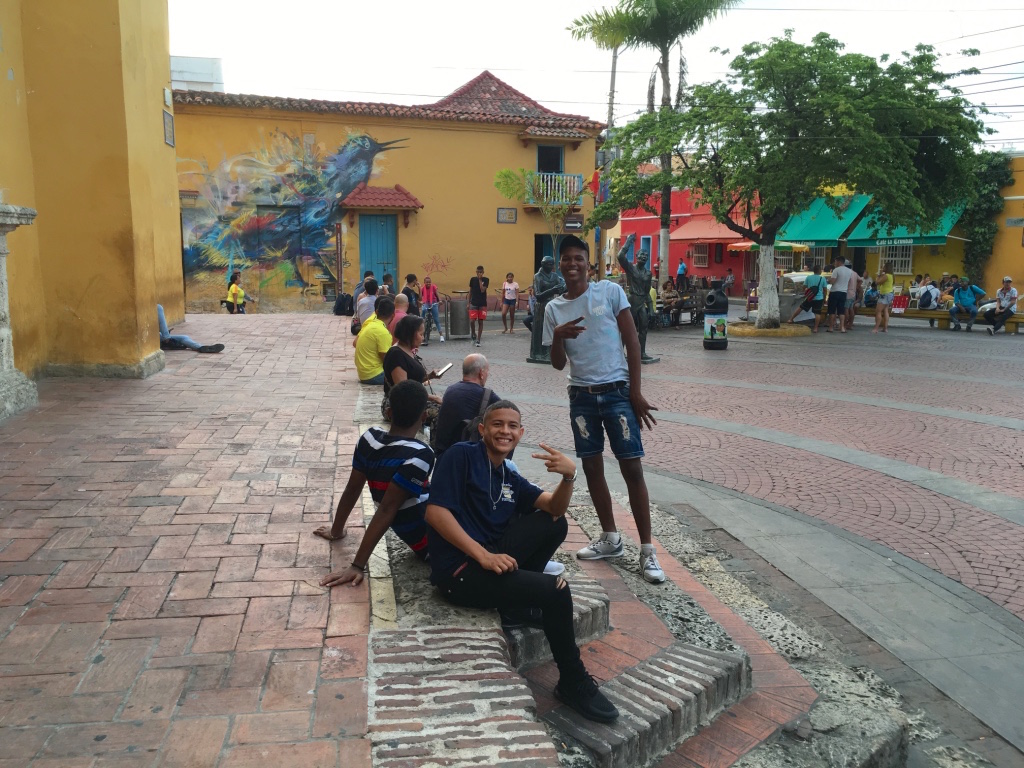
point(444, 370)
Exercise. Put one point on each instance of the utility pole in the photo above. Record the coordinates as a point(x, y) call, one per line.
point(607, 152)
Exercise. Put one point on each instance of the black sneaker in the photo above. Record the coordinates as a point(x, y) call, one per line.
point(586, 698)
point(517, 618)
point(990, 331)
point(955, 327)
point(211, 348)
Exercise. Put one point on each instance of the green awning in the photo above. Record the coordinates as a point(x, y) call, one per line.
point(870, 233)
point(821, 227)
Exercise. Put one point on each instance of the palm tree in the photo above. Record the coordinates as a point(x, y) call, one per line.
point(657, 24)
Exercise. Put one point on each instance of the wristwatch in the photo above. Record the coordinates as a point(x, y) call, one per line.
point(567, 479)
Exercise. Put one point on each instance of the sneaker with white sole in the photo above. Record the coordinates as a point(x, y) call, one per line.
point(442, 339)
point(600, 548)
point(554, 568)
point(650, 569)
point(990, 331)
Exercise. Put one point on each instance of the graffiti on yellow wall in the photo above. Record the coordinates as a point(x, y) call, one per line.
point(270, 214)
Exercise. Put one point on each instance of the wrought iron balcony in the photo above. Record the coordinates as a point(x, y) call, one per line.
point(555, 189)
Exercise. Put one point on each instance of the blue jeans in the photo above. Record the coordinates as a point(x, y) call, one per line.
point(592, 415)
point(432, 310)
point(378, 379)
point(971, 310)
point(165, 334)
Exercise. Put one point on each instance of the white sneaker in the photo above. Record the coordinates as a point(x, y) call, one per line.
point(600, 548)
point(650, 569)
point(554, 568)
point(442, 339)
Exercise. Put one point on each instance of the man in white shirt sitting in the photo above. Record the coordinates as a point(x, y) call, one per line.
point(1006, 305)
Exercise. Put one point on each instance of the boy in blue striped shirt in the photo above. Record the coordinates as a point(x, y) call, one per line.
point(397, 468)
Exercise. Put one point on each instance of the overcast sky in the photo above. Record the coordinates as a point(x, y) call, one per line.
point(409, 52)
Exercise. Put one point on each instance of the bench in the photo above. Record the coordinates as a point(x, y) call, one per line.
point(940, 316)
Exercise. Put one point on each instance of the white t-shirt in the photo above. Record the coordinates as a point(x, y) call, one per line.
point(934, 293)
point(596, 356)
point(365, 307)
point(842, 277)
point(511, 291)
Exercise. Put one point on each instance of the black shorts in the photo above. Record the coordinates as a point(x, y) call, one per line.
point(812, 305)
point(837, 303)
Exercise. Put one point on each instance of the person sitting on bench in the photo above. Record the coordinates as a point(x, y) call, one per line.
point(490, 534)
point(397, 467)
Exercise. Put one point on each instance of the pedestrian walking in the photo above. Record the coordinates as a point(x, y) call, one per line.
point(840, 282)
point(884, 283)
point(235, 302)
point(478, 302)
point(429, 302)
point(509, 302)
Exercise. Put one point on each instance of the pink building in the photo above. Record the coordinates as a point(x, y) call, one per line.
point(694, 236)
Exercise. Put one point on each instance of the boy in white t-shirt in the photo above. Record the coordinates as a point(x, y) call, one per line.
point(604, 395)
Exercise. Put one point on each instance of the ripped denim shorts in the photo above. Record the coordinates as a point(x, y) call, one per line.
point(607, 411)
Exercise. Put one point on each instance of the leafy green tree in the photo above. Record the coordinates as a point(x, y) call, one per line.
point(556, 196)
point(657, 24)
point(792, 122)
point(978, 221)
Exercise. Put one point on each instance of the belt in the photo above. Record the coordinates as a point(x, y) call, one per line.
point(599, 389)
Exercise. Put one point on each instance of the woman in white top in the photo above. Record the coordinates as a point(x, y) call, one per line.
point(509, 302)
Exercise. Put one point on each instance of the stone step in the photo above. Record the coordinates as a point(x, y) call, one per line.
point(449, 696)
point(662, 701)
point(528, 647)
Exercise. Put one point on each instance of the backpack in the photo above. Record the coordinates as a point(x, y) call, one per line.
point(871, 297)
point(343, 305)
point(471, 427)
point(926, 299)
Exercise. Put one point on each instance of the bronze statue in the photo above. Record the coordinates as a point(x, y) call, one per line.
point(638, 291)
point(546, 285)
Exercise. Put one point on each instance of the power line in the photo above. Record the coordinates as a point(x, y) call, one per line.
point(979, 34)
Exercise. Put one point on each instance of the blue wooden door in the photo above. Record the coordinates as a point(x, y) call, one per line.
point(378, 244)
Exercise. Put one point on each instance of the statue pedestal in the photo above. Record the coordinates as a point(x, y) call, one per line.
point(538, 360)
point(17, 392)
point(650, 360)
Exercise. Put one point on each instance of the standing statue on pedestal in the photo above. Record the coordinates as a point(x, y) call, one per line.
point(638, 291)
point(546, 285)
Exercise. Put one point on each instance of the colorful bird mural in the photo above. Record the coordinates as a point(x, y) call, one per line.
point(273, 208)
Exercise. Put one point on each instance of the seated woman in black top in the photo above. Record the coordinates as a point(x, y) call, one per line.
point(401, 362)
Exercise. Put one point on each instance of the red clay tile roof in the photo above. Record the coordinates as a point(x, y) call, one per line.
point(537, 132)
point(484, 99)
point(380, 197)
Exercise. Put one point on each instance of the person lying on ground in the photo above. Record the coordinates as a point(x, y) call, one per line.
point(170, 341)
point(397, 467)
point(491, 532)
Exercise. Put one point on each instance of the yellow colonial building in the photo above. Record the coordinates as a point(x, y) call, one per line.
point(1008, 249)
point(84, 96)
point(302, 196)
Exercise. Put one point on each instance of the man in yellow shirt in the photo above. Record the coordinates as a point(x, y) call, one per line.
point(373, 342)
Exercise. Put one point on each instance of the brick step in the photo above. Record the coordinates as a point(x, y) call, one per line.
point(449, 696)
point(662, 701)
point(528, 647)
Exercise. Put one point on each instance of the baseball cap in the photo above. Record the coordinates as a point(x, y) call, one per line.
point(945, 274)
point(1007, 279)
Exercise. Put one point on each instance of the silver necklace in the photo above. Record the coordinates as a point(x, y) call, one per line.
point(490, 482)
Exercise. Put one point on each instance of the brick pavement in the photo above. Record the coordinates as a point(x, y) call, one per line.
point(161, 604)
point(972, 546)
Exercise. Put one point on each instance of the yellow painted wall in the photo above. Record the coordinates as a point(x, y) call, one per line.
point(945, 258)
point(101, 172)
point(1008, 249)
point(27, 296)
point(152, 163)
point(450, 168)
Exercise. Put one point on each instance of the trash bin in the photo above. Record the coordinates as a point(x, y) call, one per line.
point(458, 316)
point(716, 318)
